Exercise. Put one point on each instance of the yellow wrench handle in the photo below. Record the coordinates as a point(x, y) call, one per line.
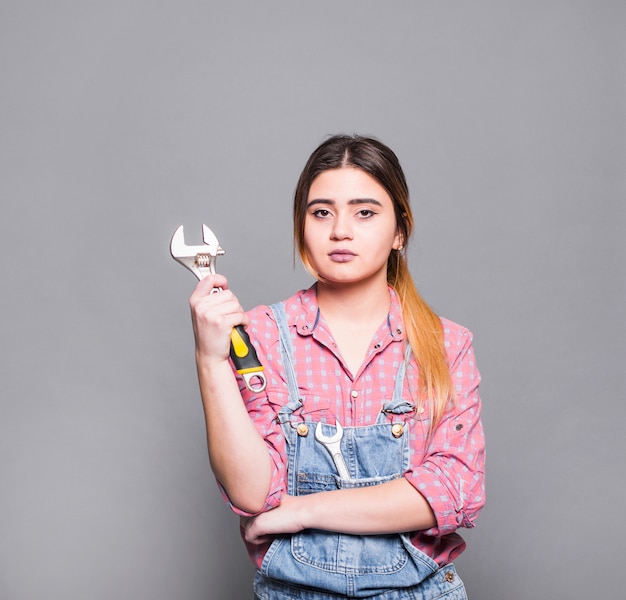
point(244, 357)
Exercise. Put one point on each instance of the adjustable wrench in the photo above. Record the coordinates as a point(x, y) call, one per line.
point(200, 260)
point(333, 445)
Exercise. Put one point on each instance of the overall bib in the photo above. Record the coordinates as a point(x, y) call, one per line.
point(314, 564)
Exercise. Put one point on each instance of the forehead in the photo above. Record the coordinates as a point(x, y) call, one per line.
point(346, 183)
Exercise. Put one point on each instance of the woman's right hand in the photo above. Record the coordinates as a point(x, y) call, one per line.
point(213, 316)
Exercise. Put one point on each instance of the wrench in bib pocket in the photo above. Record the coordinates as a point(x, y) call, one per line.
point(333, 445)
point(200, 260)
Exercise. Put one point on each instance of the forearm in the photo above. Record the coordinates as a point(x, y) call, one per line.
point(392, 507)
point(238, 455)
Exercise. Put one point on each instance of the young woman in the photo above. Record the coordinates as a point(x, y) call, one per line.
point(358, 357)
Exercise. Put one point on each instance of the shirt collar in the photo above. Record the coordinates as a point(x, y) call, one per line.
point(303, 312)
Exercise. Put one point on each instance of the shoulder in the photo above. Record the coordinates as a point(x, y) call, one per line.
point(457, 339)
point(263, 321)
point(452, 330)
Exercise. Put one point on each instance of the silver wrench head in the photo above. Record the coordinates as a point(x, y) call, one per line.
point(200, 260)
point(326, 439)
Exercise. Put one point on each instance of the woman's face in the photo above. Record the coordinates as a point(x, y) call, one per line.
point(350, 227)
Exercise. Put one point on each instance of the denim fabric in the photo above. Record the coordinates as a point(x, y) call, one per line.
point(445, 584)
point(315, 564)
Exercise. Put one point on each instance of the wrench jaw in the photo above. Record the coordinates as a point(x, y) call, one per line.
point(333, 446)
point(328, 439)
point(200, 260)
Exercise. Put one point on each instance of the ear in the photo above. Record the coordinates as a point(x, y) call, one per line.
point(403, 226)
point(398, 241)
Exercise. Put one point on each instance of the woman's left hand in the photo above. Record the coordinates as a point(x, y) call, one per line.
point(282, 519)
point(355, 511)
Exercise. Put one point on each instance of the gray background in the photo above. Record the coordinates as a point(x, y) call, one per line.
point(121, 120)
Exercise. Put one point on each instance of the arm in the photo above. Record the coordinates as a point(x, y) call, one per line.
point(238, 455)
point(451, 473)
point(392, 507)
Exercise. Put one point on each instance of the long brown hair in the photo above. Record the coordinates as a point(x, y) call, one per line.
point(423, 327)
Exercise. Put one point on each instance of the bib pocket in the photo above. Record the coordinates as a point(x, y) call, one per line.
point(340, 552)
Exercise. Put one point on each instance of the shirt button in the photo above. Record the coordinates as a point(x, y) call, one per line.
point(354, 393)
point(377, 346)
point(397, 430)
point(302, 429)
point(449, 576)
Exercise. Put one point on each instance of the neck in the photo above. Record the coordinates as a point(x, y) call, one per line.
point(353, 313)
point(354, 303)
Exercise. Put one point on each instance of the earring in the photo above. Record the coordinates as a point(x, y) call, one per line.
point(399, 247)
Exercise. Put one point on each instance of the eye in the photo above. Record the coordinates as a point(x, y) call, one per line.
point(321, 213)
point(366, 213)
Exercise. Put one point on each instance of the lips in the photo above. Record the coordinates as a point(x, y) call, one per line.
point(341, 255)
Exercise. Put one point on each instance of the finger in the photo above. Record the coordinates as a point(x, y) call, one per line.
point(216, 307)
point(253, 536)
point(205, 297)
point(264, 539)
point(209, 283)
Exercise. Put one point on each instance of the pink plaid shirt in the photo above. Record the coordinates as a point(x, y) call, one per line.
point(448, 472)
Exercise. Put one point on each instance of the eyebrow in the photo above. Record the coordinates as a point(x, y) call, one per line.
point(354, 201)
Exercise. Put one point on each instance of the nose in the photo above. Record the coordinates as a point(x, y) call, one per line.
point(342, 228)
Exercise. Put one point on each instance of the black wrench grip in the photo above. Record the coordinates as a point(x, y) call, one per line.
point(244, 357)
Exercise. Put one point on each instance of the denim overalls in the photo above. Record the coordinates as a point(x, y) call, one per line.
point(315, 564)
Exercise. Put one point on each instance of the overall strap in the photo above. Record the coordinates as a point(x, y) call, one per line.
point(398, 404)
point(286, 351)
